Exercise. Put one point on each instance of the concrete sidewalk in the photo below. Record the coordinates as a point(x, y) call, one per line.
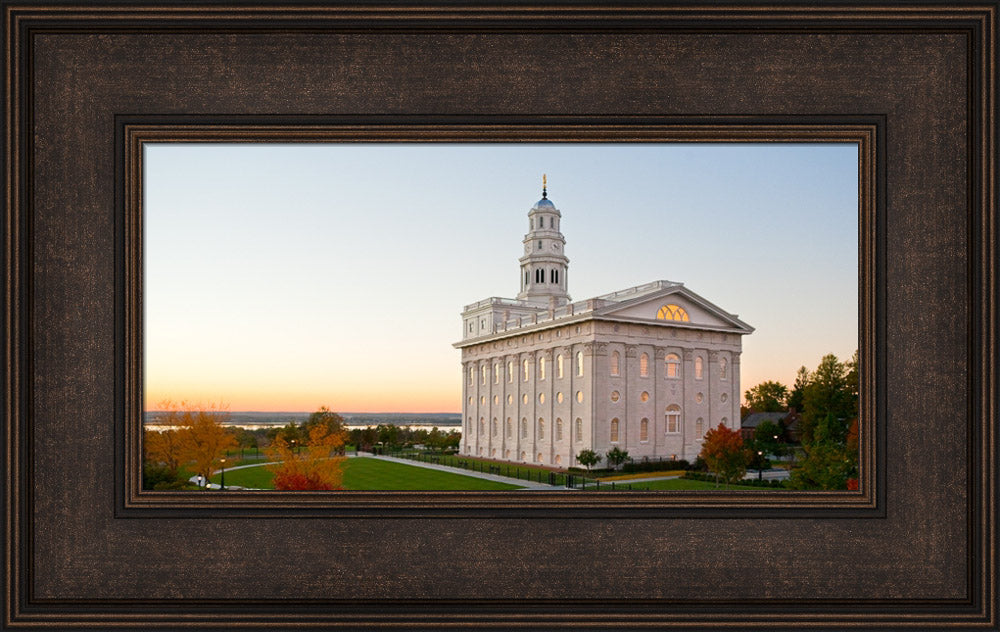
point(530, 485)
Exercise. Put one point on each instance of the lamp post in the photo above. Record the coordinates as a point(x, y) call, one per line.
point(222, 482)
point(293, 447)
point(199, 481)
point(760, 465)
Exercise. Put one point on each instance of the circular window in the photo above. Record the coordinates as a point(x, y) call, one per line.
point(559, 397)
point(725, 397)
point(699, 398)
point(615, 396)
point(579, 396)
point(644, 397)
point(541, 398)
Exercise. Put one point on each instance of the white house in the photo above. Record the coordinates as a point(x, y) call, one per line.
point(650, 368)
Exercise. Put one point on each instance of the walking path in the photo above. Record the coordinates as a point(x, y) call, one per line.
point(529, 485)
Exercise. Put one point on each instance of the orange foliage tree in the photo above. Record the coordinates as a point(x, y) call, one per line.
point(318, 467)
point(200, 438)
point(725, 454)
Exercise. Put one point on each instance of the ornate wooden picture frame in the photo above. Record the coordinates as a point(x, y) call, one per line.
point(914, 86)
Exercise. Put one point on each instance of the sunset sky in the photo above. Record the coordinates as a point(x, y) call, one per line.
point(287, 277)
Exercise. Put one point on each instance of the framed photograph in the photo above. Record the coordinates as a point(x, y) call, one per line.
point(137, 140)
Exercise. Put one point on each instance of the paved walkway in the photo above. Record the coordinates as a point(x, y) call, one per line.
point(528, 485)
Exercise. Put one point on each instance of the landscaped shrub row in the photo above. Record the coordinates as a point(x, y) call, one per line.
point(655, 465)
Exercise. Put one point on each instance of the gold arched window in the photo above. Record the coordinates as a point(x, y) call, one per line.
point(672, 312)
point(614, 430)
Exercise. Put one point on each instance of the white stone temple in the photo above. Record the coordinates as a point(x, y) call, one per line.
point(650, 368)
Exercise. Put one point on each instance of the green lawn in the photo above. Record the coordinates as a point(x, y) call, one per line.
point(373, 474)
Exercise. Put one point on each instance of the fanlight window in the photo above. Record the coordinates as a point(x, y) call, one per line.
point(673, 419)
point(672, 312)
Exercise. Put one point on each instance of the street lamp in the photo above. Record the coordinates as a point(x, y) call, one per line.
point(199, 481)
point(293, 447)
point(222, 482)
point(760, 465)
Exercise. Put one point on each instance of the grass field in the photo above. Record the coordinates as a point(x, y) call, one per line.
point(373, 474)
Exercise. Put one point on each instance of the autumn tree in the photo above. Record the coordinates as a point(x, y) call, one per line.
point(163, 447)
point(204, 440)
point(318, 467)
point(768, 397)
point(724, 453)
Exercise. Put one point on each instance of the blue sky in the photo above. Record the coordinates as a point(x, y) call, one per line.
point(286, 277)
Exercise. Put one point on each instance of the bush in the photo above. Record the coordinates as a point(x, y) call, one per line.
point(160, 476)
point(649, 465)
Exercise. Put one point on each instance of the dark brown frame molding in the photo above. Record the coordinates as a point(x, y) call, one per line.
point(913, 85)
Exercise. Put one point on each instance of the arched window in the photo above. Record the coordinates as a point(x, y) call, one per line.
point(579, 364)
point(644, 430)
point(524, 455)
point(496, 373)
point(697, 368)
point(472, 375)
point(614, 430)
point(540, 458)
point(616, 360)
point(559, 366)
point(559, 432)
point(673, 419)
point(494, 427)
point(541, 368)
point(644, 365)
point(541, 428)
point(527, 277)
point(672, 312)
point(525, 367)
point(510, 429)
point(579, 429)
point(699, 428)
point(510, 372)
point(524, 427)
point(723, 369)
point(483, 371)
point(482, 426)
point(673, 365)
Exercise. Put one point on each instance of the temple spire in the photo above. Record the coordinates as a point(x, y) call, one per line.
point(545, 193)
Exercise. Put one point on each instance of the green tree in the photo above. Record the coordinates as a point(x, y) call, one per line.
point(587, 458)
point(725, 454)
point(798, 389)
point(768, 397)
point(828, 463)
point(768, 438)
point(829, 393)
point(616, 456)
